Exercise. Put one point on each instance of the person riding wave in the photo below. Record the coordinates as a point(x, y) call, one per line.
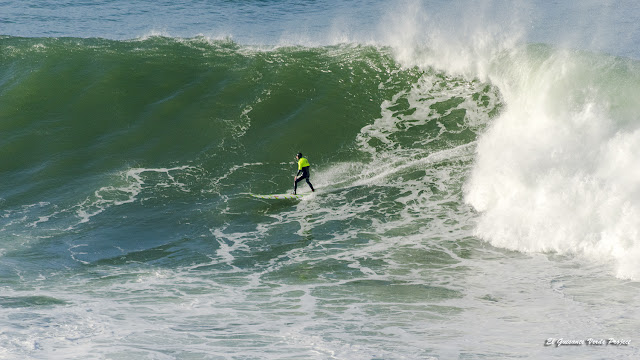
point(303, 172)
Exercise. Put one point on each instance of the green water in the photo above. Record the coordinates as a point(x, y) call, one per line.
point(127, 229)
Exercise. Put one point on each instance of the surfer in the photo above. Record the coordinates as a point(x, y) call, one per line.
point(303, 168)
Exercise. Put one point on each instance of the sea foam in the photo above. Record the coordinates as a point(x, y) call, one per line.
point(557, 170)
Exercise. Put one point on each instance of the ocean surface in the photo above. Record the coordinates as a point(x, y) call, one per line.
point(477, 167)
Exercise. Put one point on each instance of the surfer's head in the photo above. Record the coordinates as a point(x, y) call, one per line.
point(299, 156)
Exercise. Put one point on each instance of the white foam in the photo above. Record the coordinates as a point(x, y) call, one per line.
point(109, 196)
point(555, 172)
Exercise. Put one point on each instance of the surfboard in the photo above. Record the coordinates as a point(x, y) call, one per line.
point(279, 196)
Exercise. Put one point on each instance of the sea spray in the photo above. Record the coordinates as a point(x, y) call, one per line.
point(557, 170)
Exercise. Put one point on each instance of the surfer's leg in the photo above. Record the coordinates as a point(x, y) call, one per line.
point(307, 176)
point(295, 184)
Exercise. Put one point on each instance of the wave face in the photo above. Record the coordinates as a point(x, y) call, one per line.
point(126, 216)
point(127, 173)
point(89, 120)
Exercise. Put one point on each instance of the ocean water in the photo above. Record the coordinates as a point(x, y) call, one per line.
point(477, 167)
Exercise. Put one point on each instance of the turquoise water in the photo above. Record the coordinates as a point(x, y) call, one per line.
point(477, 184)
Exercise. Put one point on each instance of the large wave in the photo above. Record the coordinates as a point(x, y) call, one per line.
point(553, 171)
point(101, 130)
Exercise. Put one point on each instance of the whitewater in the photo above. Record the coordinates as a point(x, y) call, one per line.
point(476, 166)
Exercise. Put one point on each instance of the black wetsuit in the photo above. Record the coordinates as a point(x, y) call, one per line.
point(305, 175)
